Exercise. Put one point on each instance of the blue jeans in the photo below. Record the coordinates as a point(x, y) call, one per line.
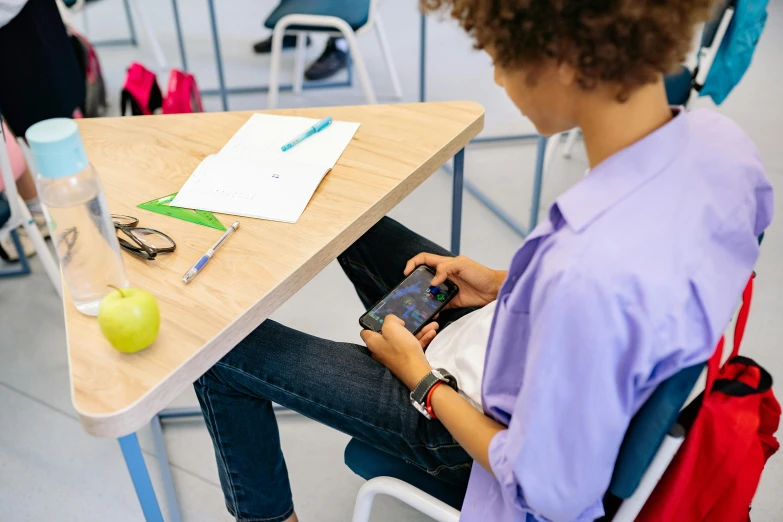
point(337, 384)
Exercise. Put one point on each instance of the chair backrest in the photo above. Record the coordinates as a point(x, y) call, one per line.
point(711, 38)
point(680, 84)
point(359, 14)
point(648, 428)
point(646, 433)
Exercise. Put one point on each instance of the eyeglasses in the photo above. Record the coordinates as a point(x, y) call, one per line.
point(143, 242)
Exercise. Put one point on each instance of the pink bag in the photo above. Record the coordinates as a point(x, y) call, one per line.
point(182, 94)
point(141, 93)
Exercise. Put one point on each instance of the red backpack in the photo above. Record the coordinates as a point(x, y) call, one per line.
point(182, 95)
point(731, 428)
point(141, 94)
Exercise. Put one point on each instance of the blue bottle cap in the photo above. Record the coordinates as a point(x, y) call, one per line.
point(57, 147)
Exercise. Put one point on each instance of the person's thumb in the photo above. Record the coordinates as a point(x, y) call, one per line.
point(392, 326)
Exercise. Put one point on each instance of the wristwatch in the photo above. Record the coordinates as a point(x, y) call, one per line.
point(421, 392)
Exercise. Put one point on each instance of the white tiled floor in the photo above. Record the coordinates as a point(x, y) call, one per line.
point(51, 470)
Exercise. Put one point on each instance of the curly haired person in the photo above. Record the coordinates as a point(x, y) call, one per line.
point(632, 276)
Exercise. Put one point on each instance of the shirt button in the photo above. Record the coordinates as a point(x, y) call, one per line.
point(513, 279)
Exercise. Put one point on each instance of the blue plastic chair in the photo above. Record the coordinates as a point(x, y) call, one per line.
point(681, 83)
point(344, 18)
point(355, 12)
point(651, 441)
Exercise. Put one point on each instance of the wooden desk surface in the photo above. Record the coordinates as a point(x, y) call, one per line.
point(138, 159)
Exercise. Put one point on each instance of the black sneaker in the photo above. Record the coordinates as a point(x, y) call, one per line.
point(265, 46)
point(331, 61)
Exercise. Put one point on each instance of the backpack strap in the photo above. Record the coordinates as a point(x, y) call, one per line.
point(713, 364)
point(742, 318)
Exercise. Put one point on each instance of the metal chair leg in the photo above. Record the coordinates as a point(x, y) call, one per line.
point(404, 492)
point(358, 61)
point(180, 40)
point(44, 254)
point(24, 265)
point(299, 61)
point(319, 21)
point(387, 56)
point(151, 36)
point(274, 67)
point(218, 55)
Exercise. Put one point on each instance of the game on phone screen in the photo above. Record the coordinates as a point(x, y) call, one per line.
point(414, 301)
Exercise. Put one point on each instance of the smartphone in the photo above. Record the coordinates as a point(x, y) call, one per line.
point(414, 301)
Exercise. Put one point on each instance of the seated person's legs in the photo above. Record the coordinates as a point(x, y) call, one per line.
point(337, 384)
point(332, 60)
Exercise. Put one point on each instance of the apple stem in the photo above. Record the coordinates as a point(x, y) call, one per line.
point(120, 291)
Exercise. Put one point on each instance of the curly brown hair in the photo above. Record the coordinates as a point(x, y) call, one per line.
point(628, 43)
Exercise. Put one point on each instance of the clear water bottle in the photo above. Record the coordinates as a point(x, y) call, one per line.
point(79, 220)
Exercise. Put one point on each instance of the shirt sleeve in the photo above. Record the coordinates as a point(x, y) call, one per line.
point(556, 458)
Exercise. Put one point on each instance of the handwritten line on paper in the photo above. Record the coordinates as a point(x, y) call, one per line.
point(223, 193)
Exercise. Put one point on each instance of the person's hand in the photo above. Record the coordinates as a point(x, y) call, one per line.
point(398, 350)
point(478, 285)
point(426, 334)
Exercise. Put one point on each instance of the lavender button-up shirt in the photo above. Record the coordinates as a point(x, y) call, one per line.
point(634, 275)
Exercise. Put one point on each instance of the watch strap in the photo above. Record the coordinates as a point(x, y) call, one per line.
point(421, 391)
point(428, 404)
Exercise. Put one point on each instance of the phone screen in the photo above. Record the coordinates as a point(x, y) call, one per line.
point(414, 301)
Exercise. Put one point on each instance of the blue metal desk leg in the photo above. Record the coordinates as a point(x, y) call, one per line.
point(218, 55)
point(422, 58)
point(165, 469)
point(140, 477)
point(456, 201)
point(180, 40)
point(538, 176)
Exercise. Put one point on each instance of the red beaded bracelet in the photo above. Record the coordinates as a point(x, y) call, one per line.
point(428, 404)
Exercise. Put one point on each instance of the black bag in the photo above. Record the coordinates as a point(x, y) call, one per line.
point(95, 99)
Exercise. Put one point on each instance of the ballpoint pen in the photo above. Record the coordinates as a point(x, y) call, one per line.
point(210, 253)
point(318, 127)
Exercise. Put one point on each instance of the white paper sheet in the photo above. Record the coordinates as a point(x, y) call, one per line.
point(252, 177)
point(262, 136)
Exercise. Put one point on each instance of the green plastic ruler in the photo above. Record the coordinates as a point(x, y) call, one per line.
point(199, 217)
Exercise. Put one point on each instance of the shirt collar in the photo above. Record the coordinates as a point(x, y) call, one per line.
point(622, 173)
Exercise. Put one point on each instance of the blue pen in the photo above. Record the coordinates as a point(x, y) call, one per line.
point(318, 127)
point(210, 253)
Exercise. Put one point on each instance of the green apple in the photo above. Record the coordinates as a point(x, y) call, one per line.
point(129, 318)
